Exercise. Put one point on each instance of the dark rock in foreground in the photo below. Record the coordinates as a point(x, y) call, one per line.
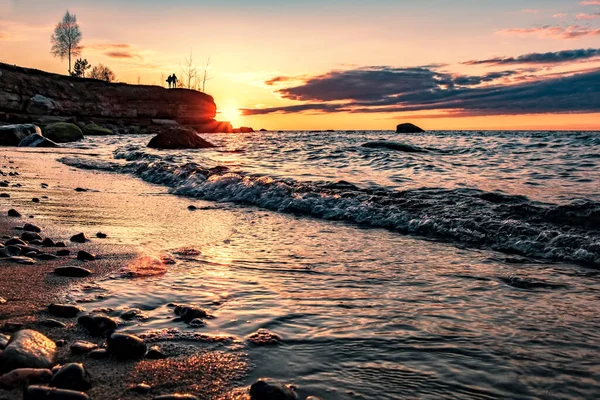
point(23, 377)
point(36, 140)
point(72, 272)
point(28, 349)
point(97, 324)
point(408, 128)
point(80, 238)
point(48, 393)
point(62, 132)
point(179, 138)
point(83, 255)
point(64, 310)
point(73, 377)
point(14, 213)
point(12, 135)
point(270, 389)
point(126, 347)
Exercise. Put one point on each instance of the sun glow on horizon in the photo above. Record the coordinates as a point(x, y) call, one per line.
point(231, 113)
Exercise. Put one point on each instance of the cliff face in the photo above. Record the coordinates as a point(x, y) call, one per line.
point(33, 95)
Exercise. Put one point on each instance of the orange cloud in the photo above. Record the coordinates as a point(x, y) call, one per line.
point(555, 32)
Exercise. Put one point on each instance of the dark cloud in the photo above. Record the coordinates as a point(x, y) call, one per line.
point(277, 79)
point(421, 89)
point(565, 56)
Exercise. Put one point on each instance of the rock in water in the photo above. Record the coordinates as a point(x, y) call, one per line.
point(63, 132)
point(73, 377)
point(263, 337)
point(36, 392)
point(179, 138)
point(408, 128)
point(11, 135)
point(28, 349)
point(270, 389)
point(36, 140)
point(24, 377)
point(80, 238)
point(98, 324)
point(72, 272)
point(64, 310)
point(126, 347)
point(187, 313)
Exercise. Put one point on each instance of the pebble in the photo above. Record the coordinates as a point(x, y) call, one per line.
point(36, 392)
point(32, 228)
point(3, 341)
point(192, 208)
point(2, 300)
point(60, 244)
point(52, 323)
point(73, 272)
point(126, 347)
point(15, 242)
point(23, 377)
point(14, 213)
point(35, 200)
point(270, 389)
point(175, 396)
point(83, 347)
point(73, 377)
point(97, 324)
point(47, 242)
point(28, 349)
point(85, 256)
point(5, 195)
point(99, 354)
point(81, 190)
point(11, 326)
point(46, 256)
point(64, 310)
point(155, 353)
point(44, 185)
point(264, 337)
point(80, 238)
point(141, 388)
point(132, 313)
point(29, 236)
point(36, 242)
point(60, 343)
point(63, 252)
point(22, 260)
point(189, 313)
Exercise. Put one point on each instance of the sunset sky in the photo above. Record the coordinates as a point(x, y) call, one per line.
point(332, 64)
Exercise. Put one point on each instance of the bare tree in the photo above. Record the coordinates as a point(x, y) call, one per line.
point(205, 74)
point(66, 38)
point(102, 73)
point(190, 73)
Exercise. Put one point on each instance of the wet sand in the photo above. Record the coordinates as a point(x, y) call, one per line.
point(208, 371)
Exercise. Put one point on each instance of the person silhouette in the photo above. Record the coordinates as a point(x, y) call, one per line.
point(170, 81)
point(174, 79)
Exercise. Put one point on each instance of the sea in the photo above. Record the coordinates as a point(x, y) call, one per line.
point(376, 265)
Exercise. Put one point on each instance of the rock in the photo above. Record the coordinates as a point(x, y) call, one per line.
point(28, 349)
point(11, 135)
point(187, 313)
point(270, 389)
point(72, 272)
point(36, 140)
point(80, 238)
point(63, 252)
point(99, 354)
point(60, 244)
point(192, 208)
point(15, 242)
point(263, 130)
point(95, 130)
point(11, 326)
point(29, 236)
point(5, 195)
point(60, 343)
point(52, 323)
point(179, 138)
point(2, 301)
point(264, 337)
point(126, 347)
point(41, 105)
point(78, 189)
point(73, 377)
point(64, 310)
point(36, 392)
point(132, 313)
point(197, 323)
point(141, 388)
point(45, 256)
point(312, 398)
point(14, 213)
point(98, 324)
point(408, 128)
point(3, 341)
point(83, 347)
point(12, 250)
point(31, 228)
point(22, 260)
point(101, 235)
point(243, 129)
point(47, 242)
point(23, 377)
point(63, 132)
point(83, 255)
point(155, 353)
point(176, 396)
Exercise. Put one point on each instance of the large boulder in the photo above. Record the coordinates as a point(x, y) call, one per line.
point(179, 138)
point(28, 349)
point(11, 135)
point(408, 128)
point(63, 132)
point(41, 105)
point(37, 140)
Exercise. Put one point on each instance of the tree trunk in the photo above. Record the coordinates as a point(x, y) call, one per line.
point(69, 60)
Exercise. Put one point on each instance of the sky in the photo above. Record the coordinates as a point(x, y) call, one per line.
point(332, 64)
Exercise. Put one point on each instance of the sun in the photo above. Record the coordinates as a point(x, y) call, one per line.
point(230, 113)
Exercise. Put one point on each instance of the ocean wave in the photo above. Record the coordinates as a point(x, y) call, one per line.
point(502, 222)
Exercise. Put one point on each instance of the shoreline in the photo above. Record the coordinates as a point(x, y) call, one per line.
point(205, 370)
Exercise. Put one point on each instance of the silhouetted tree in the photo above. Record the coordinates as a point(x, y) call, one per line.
point(80, 68)
point(190, 74)
point(66, 38)
point(205, 74)
point(102, 73)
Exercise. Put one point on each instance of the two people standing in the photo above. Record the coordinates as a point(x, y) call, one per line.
point(172, 81)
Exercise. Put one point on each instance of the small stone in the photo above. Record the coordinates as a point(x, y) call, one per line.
point(192, 208)
point(28, 349)
point(12, 251)
point(44, 185)
point(313, 398)
point(3, 341)
point(48, 242)
point(81, 190)
point(263, 337)
point(29, 236)
point(22, 260)
point(97, 324)
point(141, 388)
point(99, 354)
point(131, 314)
point(155, 353)
point(176, 396)
point(36, 392)
point(126, 347)
point(83, 347)
point(270, 389)
point(2, 300)
point(60, 244)
point(73, 377)
point(35, 200)
point(5, 195)
point(23, 377)
point(101, 235)
point(72, 272)
point(15, 242)
point(52, 323)
point(46, 256)
point(63, 253)
point(64, 310)
point(188, 312)
point(80, 238)
point(83, 255)
point(36, 242)
point(14, 213)
point(32, 228)
point(11, 326)
point(60, 343)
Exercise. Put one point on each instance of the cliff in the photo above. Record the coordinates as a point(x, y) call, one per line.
point(29, 95)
